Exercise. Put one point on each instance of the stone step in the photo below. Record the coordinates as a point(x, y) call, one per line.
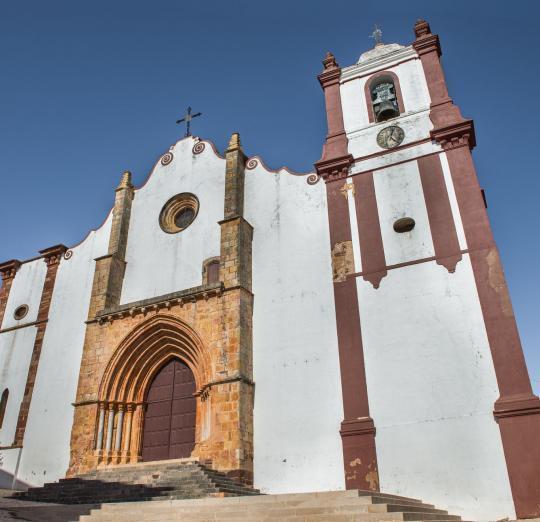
point(328, 506)
point(133, 483)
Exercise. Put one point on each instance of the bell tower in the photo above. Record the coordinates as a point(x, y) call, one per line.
point(434, 382)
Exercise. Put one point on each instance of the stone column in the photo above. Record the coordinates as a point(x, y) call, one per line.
point(119, 428)
point(110, 428)
point(101, 427)
point(127, 436)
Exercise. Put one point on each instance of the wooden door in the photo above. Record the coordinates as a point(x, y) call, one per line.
point(169, 423)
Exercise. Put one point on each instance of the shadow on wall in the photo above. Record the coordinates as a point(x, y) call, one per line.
point(6, 482)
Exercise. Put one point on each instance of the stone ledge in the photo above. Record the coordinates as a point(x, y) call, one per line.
point(162, 301)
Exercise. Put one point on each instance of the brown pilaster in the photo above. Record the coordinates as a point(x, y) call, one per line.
point(357, 429)
point(335, 160)
point(52, 257)
point(235, 275)
point(369, 229)
point(517, 410)
point(441, 221)
point(8, 271)
point(442, 110)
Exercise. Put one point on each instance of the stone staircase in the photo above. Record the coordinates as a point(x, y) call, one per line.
point(176, 479)
point(334, 506)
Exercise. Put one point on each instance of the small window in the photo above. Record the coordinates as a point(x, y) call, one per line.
point(20, 312)
point(3, 404)
point(384, 99)
point(212, 272)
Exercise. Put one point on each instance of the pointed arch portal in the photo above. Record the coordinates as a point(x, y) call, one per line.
point(148, 399)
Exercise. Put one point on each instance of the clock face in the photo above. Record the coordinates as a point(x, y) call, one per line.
point(390, 137)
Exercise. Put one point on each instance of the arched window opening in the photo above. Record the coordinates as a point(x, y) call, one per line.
point(384, 99)
point(3, 404)
point(212, 272)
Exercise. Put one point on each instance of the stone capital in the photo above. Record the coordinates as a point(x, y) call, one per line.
point(53, 255)
point(8, 269)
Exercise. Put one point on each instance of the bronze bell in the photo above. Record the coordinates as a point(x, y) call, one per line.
point(386, 110)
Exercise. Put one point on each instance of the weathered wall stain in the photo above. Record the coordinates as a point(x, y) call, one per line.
point(497, 282)
point(342, 260)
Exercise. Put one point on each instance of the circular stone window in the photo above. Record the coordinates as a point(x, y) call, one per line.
point(179, 212)
point(20, 312)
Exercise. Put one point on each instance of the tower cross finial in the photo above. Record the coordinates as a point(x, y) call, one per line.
point(187, 119)
point(377, 35)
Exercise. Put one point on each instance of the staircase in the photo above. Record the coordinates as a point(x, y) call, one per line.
point(176, 479)
point(334, 506)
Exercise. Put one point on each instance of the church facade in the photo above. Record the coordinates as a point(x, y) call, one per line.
point(346, 328)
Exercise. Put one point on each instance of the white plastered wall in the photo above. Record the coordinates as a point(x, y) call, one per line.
point(45, 454)
point(430, 376)
point(26, 288)
point(15, 353)
point(399, 194)
point(432, 387)
point(159, 263)
point(298, 404)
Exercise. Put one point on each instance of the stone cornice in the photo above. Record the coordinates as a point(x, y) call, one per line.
point(427, 44)
point(334, 168)
point(455, 135)
point(8, 269)
point(516, 407)
point(52, 255)
point(156, 303)
point(380, 63)
point(362, 426)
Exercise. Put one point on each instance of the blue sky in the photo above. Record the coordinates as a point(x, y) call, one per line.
point(89, 89)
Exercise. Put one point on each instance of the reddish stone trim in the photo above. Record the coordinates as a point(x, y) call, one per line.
point(369, 229)
point(443, 112)
point(19, 326)
point(517, 410)
point(386, 166)
point(395, 149)
point(335, 160)
point(360, 458)
point(52, 257)
point(367, 93)
point(8, 271)
point(408, 263)
point(441, 220)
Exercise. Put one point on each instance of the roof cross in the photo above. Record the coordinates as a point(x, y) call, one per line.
point(187, 120)
point(377, 35)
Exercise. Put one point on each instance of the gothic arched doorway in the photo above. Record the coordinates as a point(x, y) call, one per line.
point(169, 421)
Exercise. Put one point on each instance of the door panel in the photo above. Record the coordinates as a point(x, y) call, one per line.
point(169, 425)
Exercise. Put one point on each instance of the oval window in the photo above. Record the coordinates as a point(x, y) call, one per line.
point(20, 312)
